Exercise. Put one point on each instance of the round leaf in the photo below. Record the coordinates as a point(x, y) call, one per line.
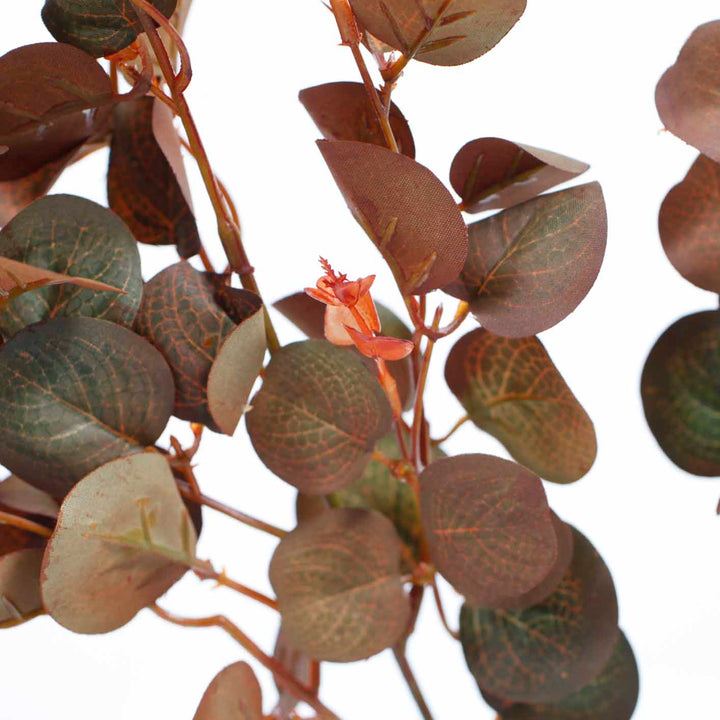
point(76, 393)
point(234, 694)
point(690, 225)
point(317, 417)
point(20, 598)
point(530, 266)
point(545, 652)
point(512, 390)
point(123, 538)
point(72, 236)
point(488, 526)
point(681, 393)
point(404, 209)
point(19, 497)
point(337, 579)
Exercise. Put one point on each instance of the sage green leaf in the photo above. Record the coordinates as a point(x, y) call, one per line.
point(512, 390)
point(530, 266)
point(76, 393)
point(123, 538)
point(338, 584)
point(20, 598)
point(488, 526)
point(317, 417)
point(21, 498)
point(99, 27)
point(680, 389)
point(76, 237)
point(234, 694)
point(215, 358)
point(545, 652)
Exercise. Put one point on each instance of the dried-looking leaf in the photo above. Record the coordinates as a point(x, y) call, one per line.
point(215, 359)
point(512, 390)
point(404, 209)
point(440, 32)
point(122, 539)
point(234, 694)
point(20, 598)
point(72, 236)
point(337, 579)
point(545, 652)
point(307, 671)
point(681, 393)
point(20, 497)
point(342, 111)
point(76, 393)
point(53, 98)
point(491, 173)
point(690, 225)
point(147, 184)
point(530, 266)
point(99, 27)
point(488, 526)
point(317, 417)
point(687, 94)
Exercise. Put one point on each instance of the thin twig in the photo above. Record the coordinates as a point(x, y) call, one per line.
point(452, 430)
point(24, 524)
point(441, 610)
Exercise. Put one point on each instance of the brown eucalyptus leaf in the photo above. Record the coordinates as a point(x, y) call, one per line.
point(20, 598)
point(437, 31)
point(338, 584)
point(76, 393)
point(306, 313)
point(530, 266)
point(214, 359)
point(404, 209)
point(491, 173)
point(53, 98)
point(488, 526)
point(72, 236)
point(14, 538)
point(99, 27)
point(512, 390)
point(342, 111)
point(690, 225)
point(307, 671)
point(147, 184)
point(317, 417)
point(547, 651)
point(123, 538)
point(681, 393)
point(20, 497)
point(234, 694)
point(687, 94)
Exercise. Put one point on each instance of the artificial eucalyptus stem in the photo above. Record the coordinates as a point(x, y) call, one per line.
point(24, 524)
point(407, 673)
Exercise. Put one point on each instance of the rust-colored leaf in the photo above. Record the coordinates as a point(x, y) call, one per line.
point(22, 498)
point(147, 184)
point(491, 173)
point(530, 266)
point(20, 598)
point(306, 670)
point(690, 225)
point(342, 111)
point(234, 694)
point(404, 209)
point(511, 389)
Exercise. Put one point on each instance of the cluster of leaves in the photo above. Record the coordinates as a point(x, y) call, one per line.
point(94, 362)
point(680, 387)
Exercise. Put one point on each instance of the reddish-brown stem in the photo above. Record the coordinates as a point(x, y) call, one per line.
point(24, 524)
point(441, 610)
point(293, 685)
point(205, 571)
point(452, 430)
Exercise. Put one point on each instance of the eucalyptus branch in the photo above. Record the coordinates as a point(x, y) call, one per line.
point(17, 521)
point(441, 610)
point(452, 430)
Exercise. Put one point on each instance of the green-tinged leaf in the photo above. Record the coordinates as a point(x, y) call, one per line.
point(491, 173)
point(545, 652)
point(437, 31)
point(76, 393)
point(612, 695)
point(488, 526)
point(512, 390)
point(337, 579)
point(147, 184)
point(123, 538)
point(53, 98)
point(690, 225)
point(687, 94)
point(234, 694)
point(20, 598)
point(317, 417)
point(307, 671)
point(19, 497)
point(72, 236)
point(342, 111)
point(404, 209)
point(99, 27)
point(681, 393)
point(215, 358)
point(530, 266)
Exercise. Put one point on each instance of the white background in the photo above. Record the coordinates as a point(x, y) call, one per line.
point(574, 77)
